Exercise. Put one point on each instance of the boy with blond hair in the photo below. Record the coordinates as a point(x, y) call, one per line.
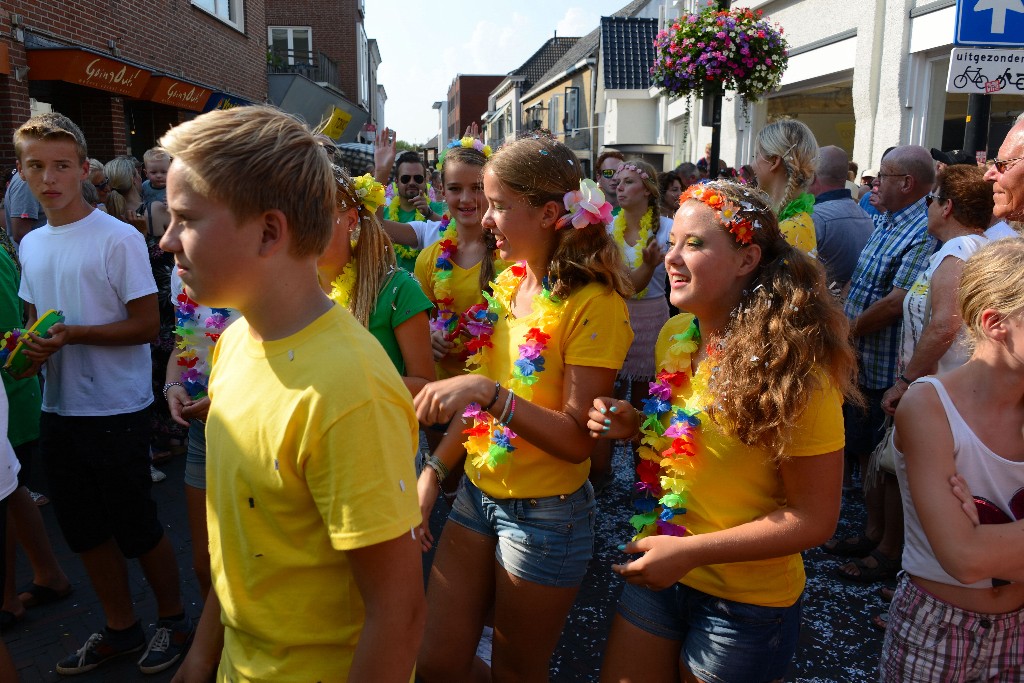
point(94, 430)
point(311, 434)
point(154, 188)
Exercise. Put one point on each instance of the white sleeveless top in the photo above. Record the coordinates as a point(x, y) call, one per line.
point(997, 485)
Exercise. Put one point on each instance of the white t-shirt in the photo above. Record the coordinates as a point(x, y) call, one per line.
point(9, 465)
point(656, 287)
point(917, 301)
point(427, 232)
point(1000, 230)
point(89, 270)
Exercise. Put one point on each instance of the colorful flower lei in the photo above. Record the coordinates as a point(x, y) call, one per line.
point(9, 343)
point(489, 443)
point(666, 452)
point(195, 376)
point(341, 288)
point(726, 211)
point(447, 319)
point(586, 206)
point(646, 230)
point(468, 143)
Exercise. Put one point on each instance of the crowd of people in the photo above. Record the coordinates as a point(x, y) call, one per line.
point(759, 340)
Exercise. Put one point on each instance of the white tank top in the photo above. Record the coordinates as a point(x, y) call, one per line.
point(997, 485)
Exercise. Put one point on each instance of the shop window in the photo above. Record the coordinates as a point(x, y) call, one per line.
point(229, 11)
point(827, 111)
point(290, 45)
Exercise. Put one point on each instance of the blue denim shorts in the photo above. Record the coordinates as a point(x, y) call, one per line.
point(547, 541)
point(722, 641)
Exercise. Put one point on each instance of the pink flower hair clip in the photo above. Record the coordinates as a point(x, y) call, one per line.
point(586, 206)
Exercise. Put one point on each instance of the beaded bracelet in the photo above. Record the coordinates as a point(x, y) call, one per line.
point(497, 391)
point(508, 402)
point(167, 387)
point(504, 422)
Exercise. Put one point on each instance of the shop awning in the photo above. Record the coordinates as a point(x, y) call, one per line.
point(176, 93)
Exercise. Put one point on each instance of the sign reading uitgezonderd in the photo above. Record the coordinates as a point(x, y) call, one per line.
point(986, 71)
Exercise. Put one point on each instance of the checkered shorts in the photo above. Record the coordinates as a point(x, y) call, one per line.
point(929, 640)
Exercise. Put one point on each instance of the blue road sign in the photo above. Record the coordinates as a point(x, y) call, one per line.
point(990, 22)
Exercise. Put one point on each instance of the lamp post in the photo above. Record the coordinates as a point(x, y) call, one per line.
point(711, 113)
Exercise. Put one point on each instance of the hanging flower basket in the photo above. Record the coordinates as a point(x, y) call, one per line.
point(735, 50)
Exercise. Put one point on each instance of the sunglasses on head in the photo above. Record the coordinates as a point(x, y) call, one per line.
point(608, 173)
point(102, 186)
point(406, 178)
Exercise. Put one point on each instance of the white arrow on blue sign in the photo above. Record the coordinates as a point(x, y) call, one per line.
point(990, 22)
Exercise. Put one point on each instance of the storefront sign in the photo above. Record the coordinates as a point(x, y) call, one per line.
point(986, 71)
point(88, 69)
point(224, 101)
point(337, 123)
point(171, 91)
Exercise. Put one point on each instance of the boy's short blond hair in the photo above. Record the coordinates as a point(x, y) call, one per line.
point(255, 159)
point(50, 126)
point(155, 154)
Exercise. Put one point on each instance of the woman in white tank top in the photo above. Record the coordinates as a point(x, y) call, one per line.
point(959, 607)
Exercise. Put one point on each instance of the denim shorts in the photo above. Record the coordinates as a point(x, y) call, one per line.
point(195, 456)
point(547, 541)
point(722, 641)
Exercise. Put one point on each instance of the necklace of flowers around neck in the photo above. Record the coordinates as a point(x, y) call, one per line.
point(666, 451)
point(619, 235)
point(447, 319)
point(490, 443)
point(195, 376)
point(401, 250)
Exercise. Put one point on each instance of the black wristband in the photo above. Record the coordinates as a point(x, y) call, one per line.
point(497, 390)
point(904, 380)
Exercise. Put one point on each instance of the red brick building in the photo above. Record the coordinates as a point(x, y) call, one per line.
point(321, 59)
point(467, 101)
point(125, 80)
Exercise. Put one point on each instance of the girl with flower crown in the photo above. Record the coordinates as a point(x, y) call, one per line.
point(521, 532)
point(359, 271)
point(741, 463)
point(785, 159)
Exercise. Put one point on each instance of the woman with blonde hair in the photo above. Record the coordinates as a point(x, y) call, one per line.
point(521, 532)
point(124, 200)
point(742, 460)
point(959, 438)
point(785, 158)
point(358, 270)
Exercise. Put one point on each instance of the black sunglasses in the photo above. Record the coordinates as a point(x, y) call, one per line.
point(929, 198)
point(102, 186)
point(406, 178)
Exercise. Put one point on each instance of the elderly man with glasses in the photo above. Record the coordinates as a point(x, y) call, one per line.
point(1006, 173)
point(895, 255)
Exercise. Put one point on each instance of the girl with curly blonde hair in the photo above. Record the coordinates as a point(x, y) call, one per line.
point(742, 460)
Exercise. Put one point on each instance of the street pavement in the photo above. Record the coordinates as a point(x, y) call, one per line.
point(837, 641)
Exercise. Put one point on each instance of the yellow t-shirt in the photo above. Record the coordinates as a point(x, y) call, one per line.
point(311, 454)
point(798, 230)
point(465, 284)
point(593, 331)
point(730, 484)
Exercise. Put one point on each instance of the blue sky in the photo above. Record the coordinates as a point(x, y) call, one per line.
point(423, 45)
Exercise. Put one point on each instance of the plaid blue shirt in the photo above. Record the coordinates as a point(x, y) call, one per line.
point(896, 254)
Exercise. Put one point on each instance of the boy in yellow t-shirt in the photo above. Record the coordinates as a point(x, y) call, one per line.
point(311, 488)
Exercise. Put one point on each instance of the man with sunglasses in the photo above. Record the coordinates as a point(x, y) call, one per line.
point(1006, 173)
point(411, 179)
point(607, 164)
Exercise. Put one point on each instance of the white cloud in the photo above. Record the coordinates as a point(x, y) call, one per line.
point(577, 22)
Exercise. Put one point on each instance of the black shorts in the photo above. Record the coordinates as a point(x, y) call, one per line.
point(98, 471)
point(25, 452)
point(863, 426)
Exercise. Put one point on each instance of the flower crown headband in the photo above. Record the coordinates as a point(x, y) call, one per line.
point(466, 143)
point(365, 188)
point(586, 206)
point(630, 166)
point(726, 211)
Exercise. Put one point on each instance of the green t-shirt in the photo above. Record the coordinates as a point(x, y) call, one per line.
point(407, 255)
point(400, 299)
point(23, 395)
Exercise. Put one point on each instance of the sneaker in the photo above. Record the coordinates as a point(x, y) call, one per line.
point(99, 649)
point(38, 498)
point(156, 475)
point(168, 644)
